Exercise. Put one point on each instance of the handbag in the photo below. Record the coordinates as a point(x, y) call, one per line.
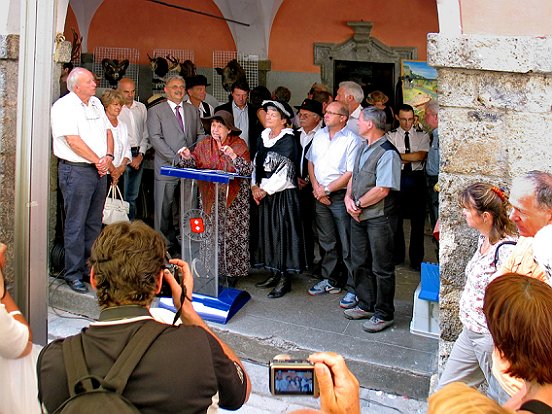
point(115, 209)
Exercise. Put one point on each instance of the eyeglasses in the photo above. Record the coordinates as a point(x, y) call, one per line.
point(91, 113)
point(304, 115)
point(333, 113)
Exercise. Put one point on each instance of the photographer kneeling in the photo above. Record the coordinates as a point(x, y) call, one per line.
point(187, 369)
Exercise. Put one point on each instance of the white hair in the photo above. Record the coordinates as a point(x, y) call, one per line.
point(353, 89)
point(74, 76)
point(432, 107)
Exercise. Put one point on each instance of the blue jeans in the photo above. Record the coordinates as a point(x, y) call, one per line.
point(334, 233)
point(132, 181)
point(84, 193)
point(372, 247)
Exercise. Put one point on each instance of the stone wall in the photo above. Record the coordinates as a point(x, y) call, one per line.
point(495, 97)
point(9, 55)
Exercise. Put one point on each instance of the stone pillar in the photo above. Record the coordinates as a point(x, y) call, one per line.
point(495, 97)
point(9, 56)
point(62, 54)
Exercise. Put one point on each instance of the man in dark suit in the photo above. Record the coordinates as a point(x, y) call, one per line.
point(310, 118)
point(172, 125)
point(245, 116)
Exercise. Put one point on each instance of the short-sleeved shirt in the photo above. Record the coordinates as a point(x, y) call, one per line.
point(14, 334)
point(71, 116)
point(388, 171)
point(185, 370)
point(333, 158)
point(419, 141)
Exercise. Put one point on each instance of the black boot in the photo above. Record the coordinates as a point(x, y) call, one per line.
point(283, 287)
point(269, 282)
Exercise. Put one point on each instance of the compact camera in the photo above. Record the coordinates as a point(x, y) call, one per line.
point(166, 291)
point(292, 377)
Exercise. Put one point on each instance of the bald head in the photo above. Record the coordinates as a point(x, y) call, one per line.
point(127, 88)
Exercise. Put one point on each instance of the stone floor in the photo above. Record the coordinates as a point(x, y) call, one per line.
point(394, 367)
point(62, 324)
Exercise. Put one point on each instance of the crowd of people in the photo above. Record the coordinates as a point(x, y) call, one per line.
point(304, 207)
point(330, 187)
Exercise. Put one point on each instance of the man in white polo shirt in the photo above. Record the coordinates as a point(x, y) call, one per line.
point(331, 161)
point(84, 145)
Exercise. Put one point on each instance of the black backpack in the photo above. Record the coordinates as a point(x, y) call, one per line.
point(91, 394)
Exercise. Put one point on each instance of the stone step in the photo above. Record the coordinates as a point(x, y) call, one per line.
point(393, 361)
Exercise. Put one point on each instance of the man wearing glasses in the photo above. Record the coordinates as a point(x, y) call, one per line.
point(331, 161)
point(84, 145)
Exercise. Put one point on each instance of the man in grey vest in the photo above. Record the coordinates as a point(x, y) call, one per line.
point(372, 202)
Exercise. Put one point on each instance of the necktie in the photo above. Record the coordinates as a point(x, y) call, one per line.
point(408, 166)
point(179, 117)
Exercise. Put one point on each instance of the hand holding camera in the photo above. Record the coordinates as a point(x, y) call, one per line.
point(177, 278)
point(331, 379)
point(292, 377)
point(339, 388)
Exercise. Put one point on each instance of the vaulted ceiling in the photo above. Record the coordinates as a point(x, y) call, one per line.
point(250, 37)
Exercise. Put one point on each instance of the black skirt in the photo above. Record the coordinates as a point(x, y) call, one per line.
point(280, 245)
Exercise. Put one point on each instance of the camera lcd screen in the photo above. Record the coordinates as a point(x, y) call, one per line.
point(294, 381)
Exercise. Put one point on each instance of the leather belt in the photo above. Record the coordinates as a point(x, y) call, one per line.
point(78, 164)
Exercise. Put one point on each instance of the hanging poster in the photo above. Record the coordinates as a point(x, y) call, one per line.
point(419, 84)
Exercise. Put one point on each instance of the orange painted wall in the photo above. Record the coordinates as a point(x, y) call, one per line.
point(506, 17)
point(298, 25)
point(70, 22)
point(147, 26)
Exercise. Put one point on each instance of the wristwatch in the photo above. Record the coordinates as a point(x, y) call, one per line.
point(327, 190)
point(357, 203)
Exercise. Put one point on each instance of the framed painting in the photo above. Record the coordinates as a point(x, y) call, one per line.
point(419, 84)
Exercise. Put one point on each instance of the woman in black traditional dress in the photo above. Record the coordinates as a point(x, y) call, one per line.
point(274, 186)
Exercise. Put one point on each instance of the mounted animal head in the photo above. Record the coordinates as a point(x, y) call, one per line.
point(174, 63)
point(232, 72)
point(187, 69)
point(114, 70)
point(159, 66)
point(76, 45)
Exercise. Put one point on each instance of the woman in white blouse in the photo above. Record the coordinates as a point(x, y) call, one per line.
point(113, 102)
point(485, 208)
